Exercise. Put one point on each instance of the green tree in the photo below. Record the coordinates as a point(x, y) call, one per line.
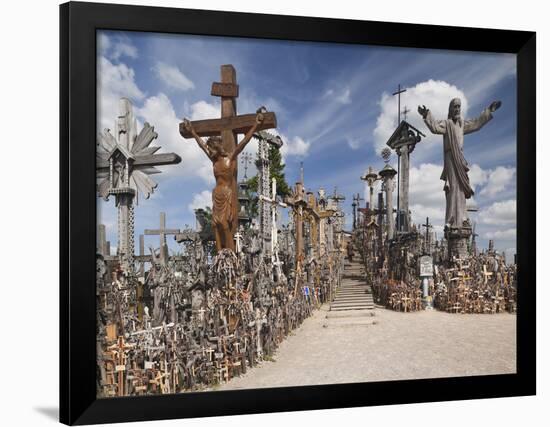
point(276, 170)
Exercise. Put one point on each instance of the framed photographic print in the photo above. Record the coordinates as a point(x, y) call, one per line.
point(301, 213)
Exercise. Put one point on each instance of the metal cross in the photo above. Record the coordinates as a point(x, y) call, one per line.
point(398, 93)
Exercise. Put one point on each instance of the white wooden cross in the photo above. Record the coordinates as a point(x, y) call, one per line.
point(486, 274)
point(238, 241)
point(274, 203)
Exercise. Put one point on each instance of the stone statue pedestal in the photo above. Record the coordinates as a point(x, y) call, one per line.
point(457, 240)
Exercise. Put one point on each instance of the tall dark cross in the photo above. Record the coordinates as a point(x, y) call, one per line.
point(355, 205)
point(427, 240)
point(230, 124)
point(398, 93)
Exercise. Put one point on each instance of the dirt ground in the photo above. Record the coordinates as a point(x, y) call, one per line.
point(382, 344)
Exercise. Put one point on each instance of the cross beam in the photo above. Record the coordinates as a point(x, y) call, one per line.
point(162, 231)
point(148, 160)
point(235, 124)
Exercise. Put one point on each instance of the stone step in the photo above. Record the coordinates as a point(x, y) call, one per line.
point(352, 300)
point(350, 314)
point(363, 307)
point(357, 304)
point(357, 292)
point(353, 292)
point(357, 295)
point(353, 295)
point(349, 323)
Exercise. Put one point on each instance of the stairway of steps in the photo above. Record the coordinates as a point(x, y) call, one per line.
point(353, 293)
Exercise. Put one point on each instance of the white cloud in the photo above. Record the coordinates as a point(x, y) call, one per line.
point(426, 187)
point(114, 82)
point(435, 94)
point(499, 213)
point(426, 195)
point(172, 76)
point(201, 200)
point(115, 47)
point(159, 112)
point(342, 97)
point(123, 48)
point(295, 146)
point(103, 43)
point(508, 234)
point(478, 176)
point(498, 180)
point(202, 110)
point(353, 143)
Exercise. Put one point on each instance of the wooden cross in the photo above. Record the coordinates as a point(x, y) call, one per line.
point(162, 232)
point(238, 242)
point(119, 351)
point(486, 274)
point(230, 124)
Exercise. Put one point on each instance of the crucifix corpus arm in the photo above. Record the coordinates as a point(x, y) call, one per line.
point(189, 127)
point(248, 136)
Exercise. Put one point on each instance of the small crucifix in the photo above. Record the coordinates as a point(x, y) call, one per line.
point(405, 112)
point(245, 159)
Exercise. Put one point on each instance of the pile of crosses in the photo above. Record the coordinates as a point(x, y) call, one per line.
point(183, 345)
point(482, 284)
point(187, 323)
point(393, 248)
point(169, 323)
point(398, 295)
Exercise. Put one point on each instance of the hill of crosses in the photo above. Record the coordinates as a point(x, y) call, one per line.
point(243, 282)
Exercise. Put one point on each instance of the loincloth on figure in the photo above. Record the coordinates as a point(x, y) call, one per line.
point(222, 205)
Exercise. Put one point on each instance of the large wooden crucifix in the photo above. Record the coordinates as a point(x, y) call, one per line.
point(223, 133)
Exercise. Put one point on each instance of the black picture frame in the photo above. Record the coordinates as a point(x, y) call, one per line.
point(78, 25)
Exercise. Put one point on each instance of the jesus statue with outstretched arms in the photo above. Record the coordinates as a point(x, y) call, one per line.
point(455, 167)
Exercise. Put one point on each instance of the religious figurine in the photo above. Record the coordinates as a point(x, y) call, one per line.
point(225, 165)
point(455, 167)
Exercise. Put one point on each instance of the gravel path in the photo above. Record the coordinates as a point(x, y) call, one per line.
point(380, 344)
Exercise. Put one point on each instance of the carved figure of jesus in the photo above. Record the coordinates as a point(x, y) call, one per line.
point(224, 165)
point(455, 167)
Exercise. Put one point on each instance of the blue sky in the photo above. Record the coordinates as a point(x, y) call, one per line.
point(334, 109)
